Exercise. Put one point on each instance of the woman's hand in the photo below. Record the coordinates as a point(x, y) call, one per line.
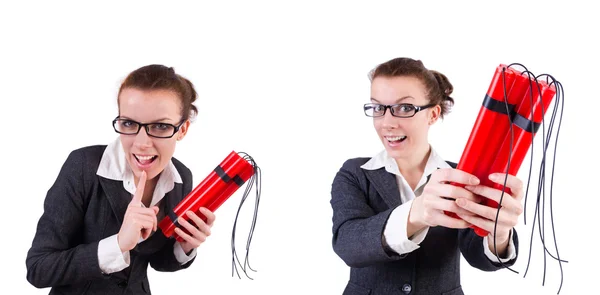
point(138, 222)
point(484, 216)
point(197, 234)
point(438, 196)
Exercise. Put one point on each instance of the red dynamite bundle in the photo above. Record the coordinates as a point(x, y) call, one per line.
point(510, 101)
point(491, 125)
point(512, 113)
point(231, 174)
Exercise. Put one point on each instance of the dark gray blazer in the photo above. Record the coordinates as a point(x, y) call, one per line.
point(80, 209)
point(362, 200)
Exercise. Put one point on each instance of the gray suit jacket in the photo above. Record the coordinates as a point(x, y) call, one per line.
point(80, 209)
point(362, 200)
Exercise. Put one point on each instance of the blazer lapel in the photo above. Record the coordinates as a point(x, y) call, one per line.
point(119, 199)
point(157, 240)
point(117, 196)
point(173, 198)
point(386, 185)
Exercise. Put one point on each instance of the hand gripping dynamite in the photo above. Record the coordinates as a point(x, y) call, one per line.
point(220, 184)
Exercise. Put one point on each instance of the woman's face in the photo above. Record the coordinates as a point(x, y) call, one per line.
point(143, 152)
point(402, 137)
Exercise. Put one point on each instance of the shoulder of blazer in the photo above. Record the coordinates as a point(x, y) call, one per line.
point(81, 167)
point(355, 163)
point(352, 168)
point(88, 158)
point(359, 161)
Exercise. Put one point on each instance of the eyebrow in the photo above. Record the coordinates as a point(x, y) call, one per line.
point(161, 120)
point(397, 101)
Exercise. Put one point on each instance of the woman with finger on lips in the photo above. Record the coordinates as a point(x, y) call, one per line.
point(97, 234)
point(389, 224)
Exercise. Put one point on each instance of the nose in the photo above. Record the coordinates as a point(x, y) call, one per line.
point(389, 121)
point(142, 139)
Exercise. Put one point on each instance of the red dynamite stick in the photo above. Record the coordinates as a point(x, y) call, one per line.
point(211, 193)
point(523, 125)
point(498, 128)
point(490, 127)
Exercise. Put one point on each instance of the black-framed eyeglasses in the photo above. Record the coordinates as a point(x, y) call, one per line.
point(402, 110)
point(158, 130)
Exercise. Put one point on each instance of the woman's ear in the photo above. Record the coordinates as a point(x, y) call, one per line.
point(434, 114)
point(183, 130)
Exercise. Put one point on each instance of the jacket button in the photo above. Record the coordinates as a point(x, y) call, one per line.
point(122, 284)
point(406, 288)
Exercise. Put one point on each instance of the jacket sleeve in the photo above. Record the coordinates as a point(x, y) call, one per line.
point(57, 255)
point(471, 247)
point(357, 228)
point(165, 260)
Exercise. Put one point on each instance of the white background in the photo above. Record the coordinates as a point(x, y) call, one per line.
point(285, 83)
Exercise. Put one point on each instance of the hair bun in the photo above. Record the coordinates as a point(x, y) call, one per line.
point(445, 86)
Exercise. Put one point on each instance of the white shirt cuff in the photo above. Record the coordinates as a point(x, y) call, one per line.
point(110, 257)
point(180, 254)
point(395, 235)
point(510, 251)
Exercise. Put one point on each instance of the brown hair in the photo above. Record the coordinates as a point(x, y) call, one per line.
point(159, 77)
point(437, 86)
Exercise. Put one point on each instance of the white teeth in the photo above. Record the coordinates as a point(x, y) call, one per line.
point(395, 138)
point(144, 158)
